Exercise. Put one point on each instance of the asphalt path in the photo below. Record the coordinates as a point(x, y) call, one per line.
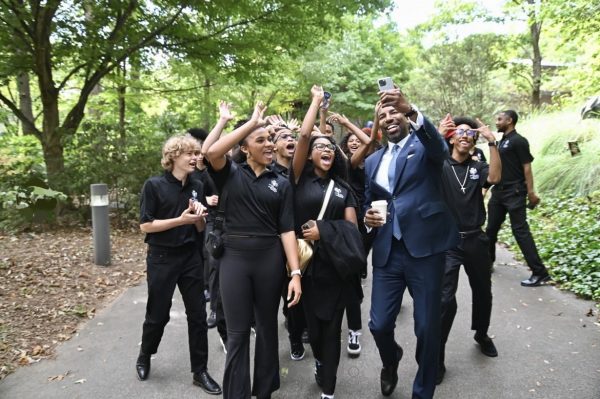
point(548, 348)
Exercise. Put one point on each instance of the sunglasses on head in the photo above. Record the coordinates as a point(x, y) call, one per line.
point(323, 147)
point(468, 132)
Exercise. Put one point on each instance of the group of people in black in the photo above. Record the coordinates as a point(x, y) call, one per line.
point(275, 182)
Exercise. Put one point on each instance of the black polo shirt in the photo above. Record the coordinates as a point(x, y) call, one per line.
point(478, 153)
point(164, 197)
point(467, 208)
point(280, 169)
point(356, 180)
point(309, 196)
point(255, 206)
point(514, 152)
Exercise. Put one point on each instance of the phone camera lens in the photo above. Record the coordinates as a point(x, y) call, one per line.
point(381, 82)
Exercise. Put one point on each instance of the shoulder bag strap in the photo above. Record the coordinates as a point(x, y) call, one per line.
point(326, 200)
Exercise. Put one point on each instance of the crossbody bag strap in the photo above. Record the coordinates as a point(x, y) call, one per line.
point(220, 218)
point(326, 199)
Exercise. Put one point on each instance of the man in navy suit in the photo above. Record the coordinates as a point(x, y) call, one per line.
point(408, 250)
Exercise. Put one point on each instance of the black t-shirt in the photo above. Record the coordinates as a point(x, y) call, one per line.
point(309, 196)
point(255, 206)
point(467, 208)
point(356, 180)
point(514, 152)
point(478, 153)
point(163, 197)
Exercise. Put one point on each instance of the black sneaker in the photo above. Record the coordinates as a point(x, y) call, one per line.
point(353, 343)
point(296, 351)
point(318, 372)
point(211, 320)
point(305, 337)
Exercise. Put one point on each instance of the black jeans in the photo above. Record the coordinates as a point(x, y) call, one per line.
point(251, 274)
point(472, 252)
point(167, 268)
point(512, 200)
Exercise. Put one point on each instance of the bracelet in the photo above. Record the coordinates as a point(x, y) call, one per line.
point(296, 272)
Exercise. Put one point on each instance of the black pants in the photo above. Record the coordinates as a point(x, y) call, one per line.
point(472, 252)
point(167, 268)
point(511, 200)
point(216, 304)
point(251, 274)
point(296, 321)
point(353, 301)
point(325, 344)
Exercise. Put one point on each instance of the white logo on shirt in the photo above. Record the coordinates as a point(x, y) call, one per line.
point(506, 144)
point(194, 196)
point(338, 192)
point(473, 174)
point(273, 186)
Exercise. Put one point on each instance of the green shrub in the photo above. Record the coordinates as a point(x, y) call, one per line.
point(566, 231)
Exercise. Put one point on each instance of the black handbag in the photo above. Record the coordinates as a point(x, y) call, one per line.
point(214, 240)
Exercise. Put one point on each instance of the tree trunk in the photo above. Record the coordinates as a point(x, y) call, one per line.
point(25, 101)
point(207, 114)
point(535, 29)
point(121, 90)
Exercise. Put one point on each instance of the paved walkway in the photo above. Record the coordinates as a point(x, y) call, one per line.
point(548, 348)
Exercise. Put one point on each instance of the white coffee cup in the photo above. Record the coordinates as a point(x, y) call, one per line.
point(381, 207)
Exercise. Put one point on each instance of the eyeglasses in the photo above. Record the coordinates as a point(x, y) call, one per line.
point(322, 147)
point(468, 132)
point(286, 136)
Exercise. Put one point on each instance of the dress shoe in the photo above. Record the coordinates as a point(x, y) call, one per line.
point(535, 280)
point(441, 372)
point(205, 381)
point(142, 366)
point(389, 375)
point(486, 345)
point(211, 321)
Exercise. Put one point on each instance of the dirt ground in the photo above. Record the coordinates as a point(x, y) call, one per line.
point(49, 285)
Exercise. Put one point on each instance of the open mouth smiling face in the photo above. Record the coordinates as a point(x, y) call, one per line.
point(323, 154)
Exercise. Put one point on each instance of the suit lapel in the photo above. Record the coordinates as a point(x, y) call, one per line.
point(401, 160)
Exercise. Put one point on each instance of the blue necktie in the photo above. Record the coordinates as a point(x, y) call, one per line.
point(392, 167)
point(392, 177)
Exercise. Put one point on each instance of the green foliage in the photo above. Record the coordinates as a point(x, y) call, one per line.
point(456, 77)
point(566, 230)
point(556, 172)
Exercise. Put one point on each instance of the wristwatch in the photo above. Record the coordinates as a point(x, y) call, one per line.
point(411, 112)
point(493, 143)
point(296, 272)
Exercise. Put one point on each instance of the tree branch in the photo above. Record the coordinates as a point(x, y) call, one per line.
point(17, 112)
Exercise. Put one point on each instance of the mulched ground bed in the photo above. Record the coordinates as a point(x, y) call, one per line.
point(49, 285)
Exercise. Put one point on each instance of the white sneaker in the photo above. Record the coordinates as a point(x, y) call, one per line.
point(223, 344)
point(353, 343)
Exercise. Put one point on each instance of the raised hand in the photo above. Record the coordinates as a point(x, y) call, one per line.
point(396, 99)
point(275, 120)
point(317, 92)
point(293, 124)
point(446, 125)
point(337, 118)
point(258, 114)
point(484, 130)
point(225, 111)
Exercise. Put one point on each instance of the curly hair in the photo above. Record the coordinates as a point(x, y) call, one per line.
point(175, 146)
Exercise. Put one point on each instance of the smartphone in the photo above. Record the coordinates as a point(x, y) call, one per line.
point(385, 84)
point(326, 98)
point(308, 225)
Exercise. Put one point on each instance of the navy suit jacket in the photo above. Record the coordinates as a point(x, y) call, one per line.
point(425, 222)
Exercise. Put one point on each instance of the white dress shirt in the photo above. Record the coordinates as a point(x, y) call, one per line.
point(381, 177)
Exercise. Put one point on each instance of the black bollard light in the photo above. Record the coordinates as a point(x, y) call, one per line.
point(100, 224)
